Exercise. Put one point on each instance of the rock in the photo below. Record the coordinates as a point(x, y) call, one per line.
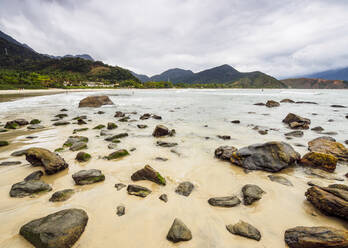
point(95, 101)
point(19, 153)
point(4, 143)
point(21, 122)
point(337, 106)
point(346, 142)
point(163, 197)
point(235, 121)
point(287, 100)
point(124, 119)
point(184, 188)
point(280, 179)
point(34, 127)
point(145, 116)
point(317, 129)
point(327, 202)
point(179, 232)
point(31, 137)
point(88, 177)
point(61, 123)
point(35, 122)
point(271, 104)
point(227, 201)
point(52, 162)
point(306, 102)
point(78, 146)
point(81, 122)
point(316, 237)
point(3, 130)
point(83, 157)
point(329, 133)
point(119, 186)
point(156, 117)
point(72, 140)
point(322, 161)
point(263, 132)
point(225, 152)
point(148, 173)
point(245, 230)
point(166, 144)
point(119, 114)
point(63, 110)
point(259, 104)
point(36, 175)
point(297, 122)
point(112, 146)
point(58, 230)
point(251, 193)
point(271, 156)
point(295, 134)
point(61, 116)
point(9, 163)
point(111, 126)
point(138, 190)
point(330, 146)
point(80, 130)
point(161, 159)
point(11, 125)
point(62, 195)
point(224, 137)
point(26, 188)
point(161, 130)
point(117, 136)
point(117, 154)
point(100, 126)
point(330, 120)
point(321, 174)
point(121, 210)
point(141, 126)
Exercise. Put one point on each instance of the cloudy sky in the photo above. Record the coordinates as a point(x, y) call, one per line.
point(282, 38)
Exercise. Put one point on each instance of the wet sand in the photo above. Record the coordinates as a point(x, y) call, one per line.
point(147, 220)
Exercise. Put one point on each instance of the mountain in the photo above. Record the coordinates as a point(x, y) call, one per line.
point(173, 75)
point(315, 83)
point(10, 39)
point(141, 77)
point(224, 74)
point(337, 74)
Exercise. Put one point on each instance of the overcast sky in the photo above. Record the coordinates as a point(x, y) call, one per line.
point(282, 38)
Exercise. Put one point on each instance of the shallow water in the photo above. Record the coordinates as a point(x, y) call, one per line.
point(148, 220)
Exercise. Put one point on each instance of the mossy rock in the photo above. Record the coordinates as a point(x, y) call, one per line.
point(111, 125)
point(148, 173)
point(117, 154)
point(115, 141)
point(88, 177)
point(83, 157)
point(4, 143)
point(80, 130)
point(319, 160)
point(60, 149)
point(62, 195)
point(35, 121)
point(100, 126)
point(11, 125)
point(3, 130)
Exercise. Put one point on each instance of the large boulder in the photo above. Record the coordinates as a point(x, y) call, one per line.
point(329, 200)
point(320, 160)
point(179, 232)
point(316, 237)
point(296, 121)
point(271, 156)
point(58, 230)
point(29, 187)
point(95, 101)
point(330, 146)
point(52, 162)
point(148, 173)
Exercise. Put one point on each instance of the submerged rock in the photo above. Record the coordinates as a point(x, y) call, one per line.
point(138, 190)
point(272, 104)
point(58, 230)
point(317, 129)
point(322, 174)
point(9, 163)
point(245, 230)
point(227, 201)
point(184, 188)
point(36, 175)
point(61, 195)
point(148, 173)
point(100, 126)
point(251, 193)
point(117, 154)
point(271, 156)
point(287, 100)
point(52, 162)
point(224, 137)
point(26, 188)
point(322, 161)
point(61, 123)
point(141, 126)
point(296, 121)
point(88, 176)
point(166, 144)
point(117, 136)
point(312, 237)
point(179, 232)
point(225, 152)
point(280, 179)
point(330, 201)
point(95, 101)
point(4, 143)
point(330, 146)
point(295, 134)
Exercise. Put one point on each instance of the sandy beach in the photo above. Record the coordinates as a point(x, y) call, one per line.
point(198, 116)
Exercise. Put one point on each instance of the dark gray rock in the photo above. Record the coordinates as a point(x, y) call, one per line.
point(138, 190)
point(227, 202)
point(58, 230)
point(163, 197)
point(61, 123)
point(225, 152)
point(121, 210)
point(244, 229)
point(166, 144)
point(295, 134)
point(27, 188)
point(224, 137)
point(88, 177)
point(61, 195)
point(184, 188)
point(36, 175)
point(179, 232)
point(9, 163)
point(251, 193)
point(119, 186)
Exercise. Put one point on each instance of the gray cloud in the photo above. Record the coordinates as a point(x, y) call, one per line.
point(282, 38)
